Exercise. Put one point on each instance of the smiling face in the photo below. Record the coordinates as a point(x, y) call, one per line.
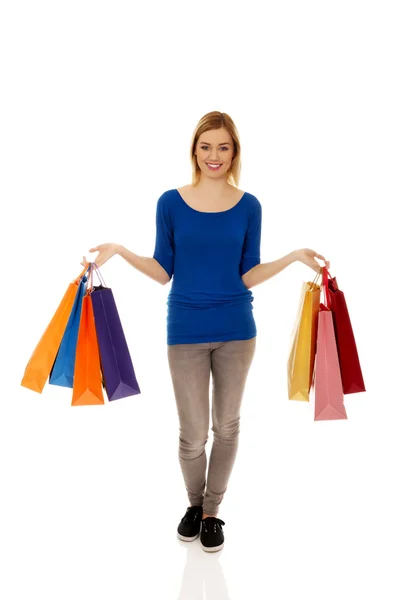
point(215, 151)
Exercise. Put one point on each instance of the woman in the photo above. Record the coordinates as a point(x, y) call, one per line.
point(208, 237)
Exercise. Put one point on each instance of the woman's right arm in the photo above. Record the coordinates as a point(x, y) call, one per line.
point(160, 266)
point(147, 265)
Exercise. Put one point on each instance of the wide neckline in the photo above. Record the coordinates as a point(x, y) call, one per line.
point(204, 212)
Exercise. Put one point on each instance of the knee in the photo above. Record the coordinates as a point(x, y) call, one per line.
point(192, 445)
point(226, 431)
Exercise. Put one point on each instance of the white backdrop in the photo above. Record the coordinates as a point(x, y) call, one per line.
point(99, 102)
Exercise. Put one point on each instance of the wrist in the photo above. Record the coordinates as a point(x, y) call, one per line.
point(118, 249)
point(295, 255)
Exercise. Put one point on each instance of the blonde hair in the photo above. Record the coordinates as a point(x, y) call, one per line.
point(216, 120)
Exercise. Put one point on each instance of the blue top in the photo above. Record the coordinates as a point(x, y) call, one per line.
point(207, 253)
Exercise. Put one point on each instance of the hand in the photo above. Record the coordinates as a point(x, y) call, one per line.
point(106, 251)
point(306, 256)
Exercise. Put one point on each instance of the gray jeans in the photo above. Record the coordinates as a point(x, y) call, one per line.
point(190, 366)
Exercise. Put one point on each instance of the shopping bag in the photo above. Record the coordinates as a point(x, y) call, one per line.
point(40, 364)
point(87, 385)
point(300, 365)
point(350, 368)
point(328, 389)
point(62, 373)
point(119, 374)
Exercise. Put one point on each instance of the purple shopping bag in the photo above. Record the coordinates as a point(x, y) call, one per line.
point(116, 363)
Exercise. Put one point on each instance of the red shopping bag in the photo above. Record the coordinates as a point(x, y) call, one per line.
point(328, 386)
point(350, 368)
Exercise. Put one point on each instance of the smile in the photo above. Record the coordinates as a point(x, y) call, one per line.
point(213, 167)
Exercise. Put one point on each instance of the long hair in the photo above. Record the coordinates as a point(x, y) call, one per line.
point(216, 120)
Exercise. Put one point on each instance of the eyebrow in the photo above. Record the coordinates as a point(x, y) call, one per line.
point(221, 144)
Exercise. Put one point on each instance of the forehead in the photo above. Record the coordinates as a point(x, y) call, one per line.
point(215, 136)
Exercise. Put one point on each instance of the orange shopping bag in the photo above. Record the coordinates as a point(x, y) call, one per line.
point(41, 362)
point(87, 384)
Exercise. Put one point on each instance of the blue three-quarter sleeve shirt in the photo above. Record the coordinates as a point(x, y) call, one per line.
point(206, 254)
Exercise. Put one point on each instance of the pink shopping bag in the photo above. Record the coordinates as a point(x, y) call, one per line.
point(328, 388)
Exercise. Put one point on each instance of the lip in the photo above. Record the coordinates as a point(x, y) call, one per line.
point(212, 165)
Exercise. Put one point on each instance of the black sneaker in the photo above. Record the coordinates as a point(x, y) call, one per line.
point(189, 527)
point(212, 536)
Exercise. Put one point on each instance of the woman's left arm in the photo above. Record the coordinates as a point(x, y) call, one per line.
point(264, 271)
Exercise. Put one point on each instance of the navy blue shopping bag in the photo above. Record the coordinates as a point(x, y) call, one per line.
point(116, 363)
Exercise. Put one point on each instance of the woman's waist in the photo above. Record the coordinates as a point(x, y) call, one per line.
point(204, 300)
point(219, 320)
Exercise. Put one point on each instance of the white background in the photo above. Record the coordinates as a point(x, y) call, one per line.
point(98, 104)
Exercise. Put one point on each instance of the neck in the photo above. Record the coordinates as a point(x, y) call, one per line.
point(213, 188)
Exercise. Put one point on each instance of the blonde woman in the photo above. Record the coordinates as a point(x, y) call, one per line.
point(208, 241)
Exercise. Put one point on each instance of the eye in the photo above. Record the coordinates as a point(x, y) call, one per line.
point(205, 148)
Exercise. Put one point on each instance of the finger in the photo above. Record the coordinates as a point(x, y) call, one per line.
point(96, 249)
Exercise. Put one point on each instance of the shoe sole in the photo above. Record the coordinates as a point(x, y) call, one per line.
point(187, 539)
point(214, 549)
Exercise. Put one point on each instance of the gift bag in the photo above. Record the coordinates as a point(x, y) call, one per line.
point(328, 387)
point(42, 360)
point(62, 372)
point(87, 385)
point(116, 362)
point(350, 368)
point(300, 365)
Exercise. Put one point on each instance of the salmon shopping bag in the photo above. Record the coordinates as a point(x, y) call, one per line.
point(87, 384)
point(350, 368)
point(41, 362)
point(119, 374)
point(300, 365)
point(328, 387)
point(62, 372)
